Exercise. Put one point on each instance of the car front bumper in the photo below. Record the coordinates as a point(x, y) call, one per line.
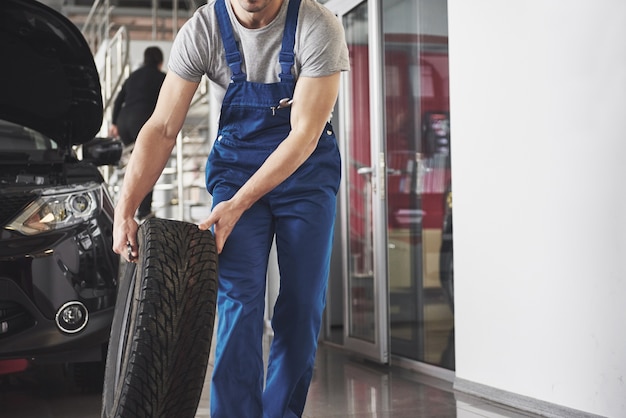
point(41, 275)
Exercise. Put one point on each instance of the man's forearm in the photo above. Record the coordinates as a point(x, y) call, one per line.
point(283, 162)
point(150, 155)
point(312, 104)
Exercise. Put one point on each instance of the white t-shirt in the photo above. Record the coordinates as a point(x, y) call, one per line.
point(320, 46)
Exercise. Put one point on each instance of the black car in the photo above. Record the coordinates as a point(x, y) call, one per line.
point(58, 273)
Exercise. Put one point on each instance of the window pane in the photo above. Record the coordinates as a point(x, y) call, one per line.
point(418, 161)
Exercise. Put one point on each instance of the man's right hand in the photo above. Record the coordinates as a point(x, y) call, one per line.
point(125, 238)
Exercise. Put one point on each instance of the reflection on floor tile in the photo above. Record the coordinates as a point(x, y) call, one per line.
point(44, 392)
point(343, 386)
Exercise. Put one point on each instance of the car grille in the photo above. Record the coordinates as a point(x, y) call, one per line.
point(12, 204)
point(13, 319)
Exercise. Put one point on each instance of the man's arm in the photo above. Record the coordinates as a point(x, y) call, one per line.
point(313, 101)
point(150, 155)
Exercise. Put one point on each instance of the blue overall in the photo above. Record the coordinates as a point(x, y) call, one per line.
point(299, 213)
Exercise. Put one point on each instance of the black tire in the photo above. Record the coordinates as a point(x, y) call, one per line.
point(163, 324)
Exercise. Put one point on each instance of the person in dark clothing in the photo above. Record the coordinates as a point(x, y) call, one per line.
point(134, 105)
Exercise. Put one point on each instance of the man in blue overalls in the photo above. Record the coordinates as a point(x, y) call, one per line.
point(273, 172)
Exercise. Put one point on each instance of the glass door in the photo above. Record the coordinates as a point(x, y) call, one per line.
point(396, 212)
point(363, 196)
point(417, 138)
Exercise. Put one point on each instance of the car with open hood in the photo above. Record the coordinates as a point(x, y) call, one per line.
point(58, 273)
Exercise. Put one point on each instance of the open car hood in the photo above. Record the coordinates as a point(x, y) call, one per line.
point(48, 79)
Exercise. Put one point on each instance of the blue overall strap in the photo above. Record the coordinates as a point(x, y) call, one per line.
point(233, 56)
point(286, 57)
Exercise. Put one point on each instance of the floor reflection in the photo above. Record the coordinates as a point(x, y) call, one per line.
point(44, 392)
point(343, 386)
point(347, 387)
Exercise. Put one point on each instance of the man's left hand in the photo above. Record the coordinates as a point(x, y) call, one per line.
point(223, 218)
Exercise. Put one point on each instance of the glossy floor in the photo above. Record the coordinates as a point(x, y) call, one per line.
point(342, 386)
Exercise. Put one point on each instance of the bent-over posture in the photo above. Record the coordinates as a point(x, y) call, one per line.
point(273, 172)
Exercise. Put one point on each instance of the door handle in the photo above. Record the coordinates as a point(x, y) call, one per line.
point(382, 165)
point(369, 171)
point(365, 171)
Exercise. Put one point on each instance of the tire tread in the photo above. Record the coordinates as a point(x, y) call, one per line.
point(174, 312)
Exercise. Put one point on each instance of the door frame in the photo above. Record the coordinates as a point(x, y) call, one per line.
point(379, 349)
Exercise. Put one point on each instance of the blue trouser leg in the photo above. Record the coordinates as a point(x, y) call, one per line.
point(301, 213)
point(238, 371)
point(303, 240)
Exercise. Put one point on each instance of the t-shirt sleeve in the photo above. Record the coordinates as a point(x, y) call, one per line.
point(324, 50)
point(190, 50)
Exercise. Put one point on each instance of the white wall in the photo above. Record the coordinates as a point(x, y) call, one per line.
point(538, 105)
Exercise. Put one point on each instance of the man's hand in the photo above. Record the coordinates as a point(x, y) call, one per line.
point(125, 238)
point(224, 216)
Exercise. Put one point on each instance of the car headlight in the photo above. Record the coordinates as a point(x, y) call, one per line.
point(58, 208)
